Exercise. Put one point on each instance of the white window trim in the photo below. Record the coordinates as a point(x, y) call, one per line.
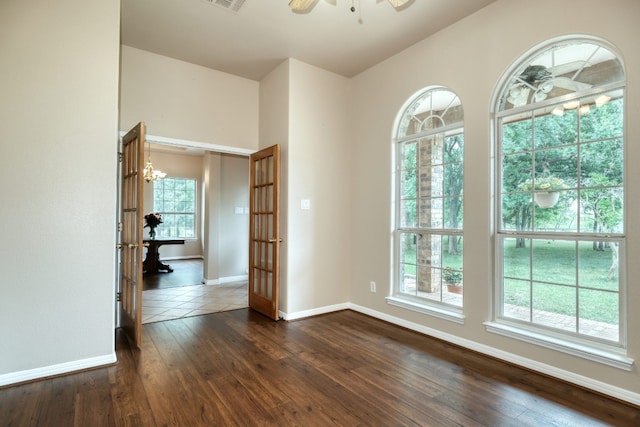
point(611, 355)
point(440, 311)
point(605, 354)
point(421, 305)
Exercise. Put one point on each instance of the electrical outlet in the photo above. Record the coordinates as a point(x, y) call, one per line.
point(372, 286)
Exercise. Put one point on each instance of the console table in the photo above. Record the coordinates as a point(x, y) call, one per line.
point(151, 263)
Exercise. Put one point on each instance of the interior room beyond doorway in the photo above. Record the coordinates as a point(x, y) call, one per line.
point(210, 268)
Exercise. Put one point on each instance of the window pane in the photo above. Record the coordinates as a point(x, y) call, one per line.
point(554, 261)
point(516, 136)
point(174, 199)
point(599, 314)
point(429, 249)
point(453, 148)
point(408, 155)
point(556, 211)
point(517, 211)
point(408, 213)
point(430, 213)
point(516, 169)
point(517, 299)
point(605, 119)
point(601, 210)
point(554, 306)
point(598, 265)
point(552, 130)
point(562, 70)
point(559, 163)
point(408, 263)
point(517, 258)
point(429, 111)
point(601, 163)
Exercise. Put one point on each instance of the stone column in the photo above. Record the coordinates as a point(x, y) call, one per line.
point(430, 212)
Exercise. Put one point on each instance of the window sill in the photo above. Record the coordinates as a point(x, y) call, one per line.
point(441, 312)
point(609, 357)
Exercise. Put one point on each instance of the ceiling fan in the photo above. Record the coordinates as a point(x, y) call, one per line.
point(302, 6)
point(541, 80)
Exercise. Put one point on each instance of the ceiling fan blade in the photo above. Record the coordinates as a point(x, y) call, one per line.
point(569, 67)
point(302, 6)
point(569, 84)
point(398, 3)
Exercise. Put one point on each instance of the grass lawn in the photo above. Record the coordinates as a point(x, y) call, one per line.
point(555, 276)
point(558, 277)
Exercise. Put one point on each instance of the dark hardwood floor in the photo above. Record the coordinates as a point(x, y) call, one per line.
point(186, 272)
point(238, 368)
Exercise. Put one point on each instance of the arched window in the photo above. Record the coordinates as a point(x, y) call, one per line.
point(560, 226)
point(429, 204)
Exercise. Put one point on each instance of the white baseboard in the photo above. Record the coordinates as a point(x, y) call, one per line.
point(59, 369)
point(173, 258)
point(223, 280)
point(570, 377)
point(314, 312)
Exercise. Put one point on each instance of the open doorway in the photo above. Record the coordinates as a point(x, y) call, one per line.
point(209, 271)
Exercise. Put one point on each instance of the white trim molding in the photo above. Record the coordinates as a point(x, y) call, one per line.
point(440, 312)
point(606, 357)
point(175, 142)
point(228, 279)
point(314, 312)
point(59, 369)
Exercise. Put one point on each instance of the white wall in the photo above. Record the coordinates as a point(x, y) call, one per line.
point(212, 165)
point(58, 149)
point(315, 143)
point(274, 129)
point(179, 100)
point(470, 57)
point(319, 160)
point(226, 231)
point(234, 233)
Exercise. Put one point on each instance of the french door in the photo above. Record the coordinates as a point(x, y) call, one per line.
point(264, 232)
point(131, 218)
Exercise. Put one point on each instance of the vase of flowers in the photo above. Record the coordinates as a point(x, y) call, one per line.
point(151, 221)
point(453, 279)
point(545, 190)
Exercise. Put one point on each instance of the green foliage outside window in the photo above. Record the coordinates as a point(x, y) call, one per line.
point(175, 200)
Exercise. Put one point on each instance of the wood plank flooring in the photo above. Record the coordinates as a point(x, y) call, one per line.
point(186, 272)
point(238, 368)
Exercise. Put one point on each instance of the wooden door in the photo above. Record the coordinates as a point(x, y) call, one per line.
point(264, 232)
point(131, 218)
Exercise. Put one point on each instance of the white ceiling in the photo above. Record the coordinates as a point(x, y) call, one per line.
point(263, 33)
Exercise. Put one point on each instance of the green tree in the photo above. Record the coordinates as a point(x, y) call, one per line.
point(453, 186)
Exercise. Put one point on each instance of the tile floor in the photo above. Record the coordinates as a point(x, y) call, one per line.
point(186, 301)
point(168, 296)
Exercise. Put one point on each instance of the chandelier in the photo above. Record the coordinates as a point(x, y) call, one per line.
point(148, 173)
point(307, 5)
